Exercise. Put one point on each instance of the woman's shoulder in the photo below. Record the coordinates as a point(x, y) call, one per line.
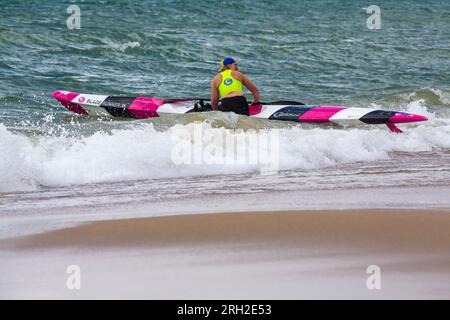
point(217, 79)
point(238, 75)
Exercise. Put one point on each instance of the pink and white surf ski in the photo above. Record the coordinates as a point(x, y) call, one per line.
point(148, 107)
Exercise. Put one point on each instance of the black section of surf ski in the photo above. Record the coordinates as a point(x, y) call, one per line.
point(290, 113)
point(377, 117)
point(284, 102)
point(118, 106)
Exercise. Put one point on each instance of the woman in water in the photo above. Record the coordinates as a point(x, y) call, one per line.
point(228, 85)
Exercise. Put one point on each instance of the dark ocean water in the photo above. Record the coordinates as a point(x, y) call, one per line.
point(319, 52)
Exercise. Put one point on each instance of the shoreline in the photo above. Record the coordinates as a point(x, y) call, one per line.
point(408, 228)
point(37, 217)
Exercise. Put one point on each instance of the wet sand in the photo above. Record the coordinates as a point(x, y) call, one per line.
point(325, 253)
point(378, 229)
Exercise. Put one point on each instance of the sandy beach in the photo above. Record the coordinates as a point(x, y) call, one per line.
point(374, 230)
point(293, 254)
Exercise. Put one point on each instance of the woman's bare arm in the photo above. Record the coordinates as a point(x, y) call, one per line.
point(214, 94)
point(251, 87)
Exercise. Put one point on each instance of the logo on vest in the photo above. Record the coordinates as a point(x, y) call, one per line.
point(228, 81)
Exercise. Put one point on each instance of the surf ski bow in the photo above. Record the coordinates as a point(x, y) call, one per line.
point(148, 107)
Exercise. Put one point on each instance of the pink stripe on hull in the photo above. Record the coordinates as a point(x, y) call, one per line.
point(62, 96)
point(254, 109)
point(401, 117)
point(142, 108)
point(66, 98)
point(320, 114)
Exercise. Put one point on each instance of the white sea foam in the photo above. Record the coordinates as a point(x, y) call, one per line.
point(142, 152)
point(14, 171)
point(418, 107)
point(124, 46)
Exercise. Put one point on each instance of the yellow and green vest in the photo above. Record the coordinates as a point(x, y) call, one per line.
point(229, 84)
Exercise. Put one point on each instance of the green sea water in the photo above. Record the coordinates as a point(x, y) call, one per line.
point(318, 52)
point(312, 51)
